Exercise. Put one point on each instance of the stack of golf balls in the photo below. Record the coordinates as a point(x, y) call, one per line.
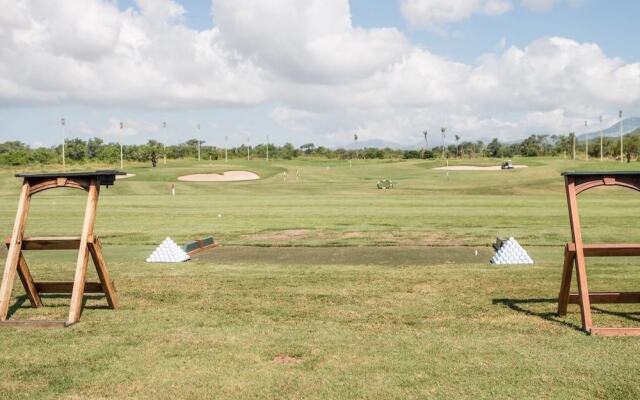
point(168, 252)
point(511, 253)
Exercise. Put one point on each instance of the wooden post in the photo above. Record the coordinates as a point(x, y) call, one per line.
point(581, 272)
point(15, 246)
point(77, 295)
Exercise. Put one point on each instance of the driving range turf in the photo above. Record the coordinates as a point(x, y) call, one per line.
point(328, 287)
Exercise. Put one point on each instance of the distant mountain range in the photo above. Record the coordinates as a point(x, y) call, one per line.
point(628, 125)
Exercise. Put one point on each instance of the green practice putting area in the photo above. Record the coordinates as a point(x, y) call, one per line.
point(325, 287)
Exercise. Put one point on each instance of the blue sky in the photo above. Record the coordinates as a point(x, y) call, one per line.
point(484, 73)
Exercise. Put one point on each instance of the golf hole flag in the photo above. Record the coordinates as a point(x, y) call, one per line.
point(168, 252)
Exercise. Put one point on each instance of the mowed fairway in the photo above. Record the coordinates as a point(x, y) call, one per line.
point(328, 287)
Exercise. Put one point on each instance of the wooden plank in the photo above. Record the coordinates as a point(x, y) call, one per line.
point(75, 308)
point(13, 256)
point(615, 331)
point(27, 282)
point(608, 249)
point(608, 298)
point(33, 323)
point(201, 249)
point(67, 287)
point(50, 243)
point(103, 274)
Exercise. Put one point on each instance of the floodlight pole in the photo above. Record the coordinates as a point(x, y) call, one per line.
point(574, 146)
point(355, 138)
point(601, 138)
point(426, 142)
point(267, 148)
point(621, 138)
point(586, 141)
point(198, 142)
point(443, 130)
point(164, 146)
point(226, 138)
point(63, 124)
point(248, 147)
point(121, 148)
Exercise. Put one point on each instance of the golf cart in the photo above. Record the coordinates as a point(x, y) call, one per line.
point(385, 184)
point(507, 165)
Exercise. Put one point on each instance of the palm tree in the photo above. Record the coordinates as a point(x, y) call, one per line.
point(457, 145)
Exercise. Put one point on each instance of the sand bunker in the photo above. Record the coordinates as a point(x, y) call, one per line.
point(475, 168)
point(229, 176)
point(125, 176)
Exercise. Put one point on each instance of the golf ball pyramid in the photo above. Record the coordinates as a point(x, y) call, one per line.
point(511, 253)
point(168, 252)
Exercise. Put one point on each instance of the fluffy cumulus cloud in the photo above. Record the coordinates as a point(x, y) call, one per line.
point(317, 72)
point(90, 52)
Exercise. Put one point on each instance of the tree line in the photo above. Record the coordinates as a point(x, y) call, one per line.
point(77, 150)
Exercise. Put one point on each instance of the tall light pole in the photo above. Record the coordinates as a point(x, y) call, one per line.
point(248, 146)
point(426, 143)
point(621, 138)
point(164, 146)
point(121, 148)
point(355, 139)
point(267, 148)
point(574, 145)
point(601, 147)
point(226, 138)
point(444, 143)
point(586, 141)
point(198, 142)
point(64, 139)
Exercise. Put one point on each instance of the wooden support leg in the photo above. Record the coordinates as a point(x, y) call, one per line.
point(565, 286)
point(27, 282)
point(581, 270)
point(15, 245)
point(583, 290)
point(80, 277)
point(103, 274)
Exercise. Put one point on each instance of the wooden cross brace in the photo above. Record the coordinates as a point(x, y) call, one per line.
point(87, 245)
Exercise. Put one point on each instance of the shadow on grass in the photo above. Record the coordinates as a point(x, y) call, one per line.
point(20, 300)
point(521, 306)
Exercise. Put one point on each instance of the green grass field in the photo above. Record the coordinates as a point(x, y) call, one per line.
point(328, 287)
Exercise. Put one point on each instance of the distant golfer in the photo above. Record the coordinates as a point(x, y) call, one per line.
point(173, 189)
point(284, 176)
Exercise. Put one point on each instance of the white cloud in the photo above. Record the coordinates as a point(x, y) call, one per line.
point(326, 76)
point(307, 41)
point(89, 52)
point(429, 13)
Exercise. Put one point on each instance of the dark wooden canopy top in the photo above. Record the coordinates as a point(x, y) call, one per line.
point(106, 177)
point(600, 173)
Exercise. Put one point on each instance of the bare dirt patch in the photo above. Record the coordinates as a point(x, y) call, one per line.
point(287, 359)
point(475, 168)
point(229, 176)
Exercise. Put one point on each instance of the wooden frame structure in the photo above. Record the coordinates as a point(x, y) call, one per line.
point(576, 252)
point(87, 244)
